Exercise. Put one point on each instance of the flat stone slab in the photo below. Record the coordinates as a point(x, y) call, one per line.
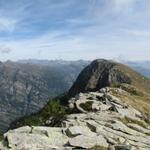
point(82, 141)
point(79, 130)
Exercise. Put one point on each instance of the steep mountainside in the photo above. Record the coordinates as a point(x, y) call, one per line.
point(26, 87)
point(101, 73)
point(108, 108)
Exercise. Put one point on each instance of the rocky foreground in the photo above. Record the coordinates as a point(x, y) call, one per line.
point(102, 121)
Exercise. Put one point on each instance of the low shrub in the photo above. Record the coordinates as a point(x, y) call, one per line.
point(87, 106)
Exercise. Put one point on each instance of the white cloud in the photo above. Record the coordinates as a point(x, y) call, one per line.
point(4, 49)
point(137, 33)
point(123, 2)
point(120, 5)
point(107, 30)
point(88, 44)
point(7, 24)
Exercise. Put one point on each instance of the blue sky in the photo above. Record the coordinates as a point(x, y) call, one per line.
point(75, 29)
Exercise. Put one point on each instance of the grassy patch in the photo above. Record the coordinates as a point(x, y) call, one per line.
point(147, 134)
point(130, 89)
point(141, 102)
point(1, 137)
point(127, 120)
point(90, 98)
point(99, 148)
point(87, 106)
point(53, 109)
point(147, 120)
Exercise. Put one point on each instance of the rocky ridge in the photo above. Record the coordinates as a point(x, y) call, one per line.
point(101, 121)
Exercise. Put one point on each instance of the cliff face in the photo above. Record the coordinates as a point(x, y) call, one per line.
point(26, 88)
point(21, 93)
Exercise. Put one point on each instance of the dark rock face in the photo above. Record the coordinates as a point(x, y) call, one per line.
point(26, 88)
point(21, 93)
point(100, 73)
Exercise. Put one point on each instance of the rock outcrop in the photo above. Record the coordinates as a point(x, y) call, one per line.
point(100, 73)
point(103, 121)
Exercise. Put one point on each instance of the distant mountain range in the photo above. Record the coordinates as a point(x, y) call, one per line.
point(143, 67)
point(27, 85)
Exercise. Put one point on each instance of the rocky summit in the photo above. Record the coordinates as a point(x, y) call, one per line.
point(101, 73)
point(103, 122)
point(107, 109)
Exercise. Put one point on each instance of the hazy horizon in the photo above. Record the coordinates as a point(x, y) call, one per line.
point(70, 60)
point(75, 29)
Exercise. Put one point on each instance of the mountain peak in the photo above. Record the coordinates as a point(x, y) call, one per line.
point(100, 73)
